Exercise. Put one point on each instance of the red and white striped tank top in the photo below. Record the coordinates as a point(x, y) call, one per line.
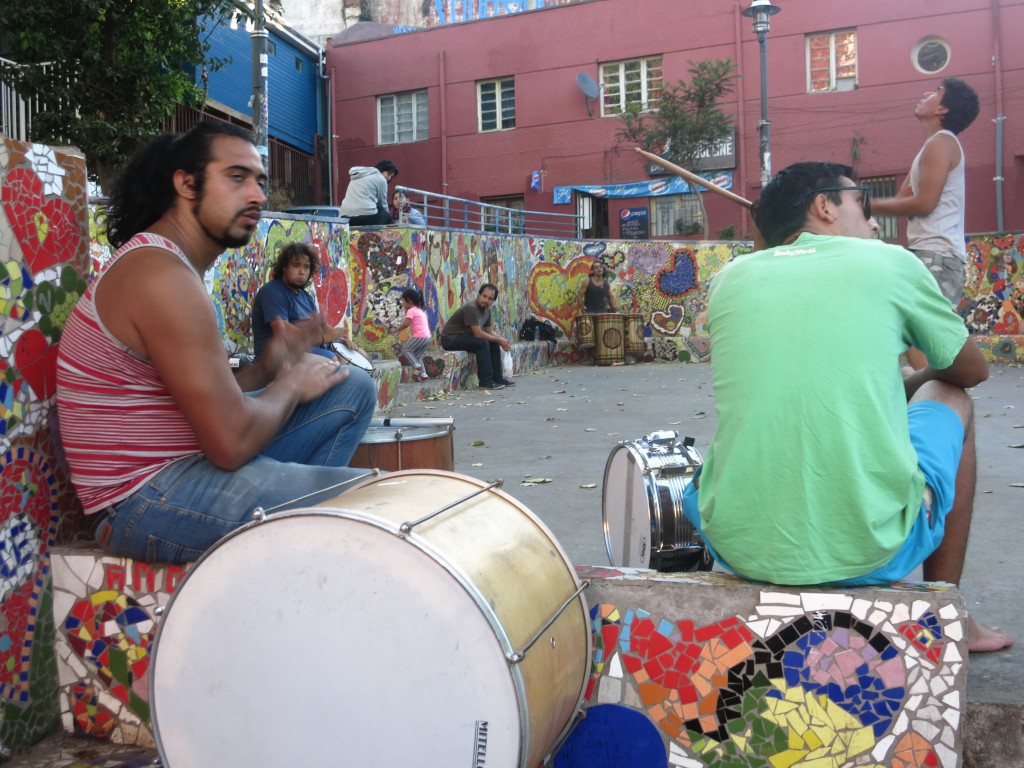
point(119, 424)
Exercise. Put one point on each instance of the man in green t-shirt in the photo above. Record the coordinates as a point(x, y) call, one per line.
point(819, 472)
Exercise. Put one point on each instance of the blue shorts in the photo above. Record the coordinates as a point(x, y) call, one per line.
point(937, 435)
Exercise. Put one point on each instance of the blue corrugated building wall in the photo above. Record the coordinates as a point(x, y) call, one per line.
point(294, 90)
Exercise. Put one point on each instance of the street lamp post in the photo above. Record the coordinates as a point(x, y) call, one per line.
point(260, 71)
point(761, 11)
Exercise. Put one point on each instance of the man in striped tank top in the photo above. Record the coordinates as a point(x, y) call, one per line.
point(167, 447)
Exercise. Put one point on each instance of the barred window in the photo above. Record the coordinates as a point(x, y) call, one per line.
point(883, 186)
point(677, 215)
point(496, 104)
point(507, 217)
point(832, 61)
point(402, 117)
point(634, 83)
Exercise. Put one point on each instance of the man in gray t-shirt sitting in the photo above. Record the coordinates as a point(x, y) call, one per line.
point(470, 329)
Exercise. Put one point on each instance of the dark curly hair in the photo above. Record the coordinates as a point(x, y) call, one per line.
point(144, 192)
point(289, 251)
point(782, 208)
point(961, 101)
point(413, 296)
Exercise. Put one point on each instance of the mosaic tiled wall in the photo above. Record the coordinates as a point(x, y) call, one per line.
point(693, 670)
point(43, 264)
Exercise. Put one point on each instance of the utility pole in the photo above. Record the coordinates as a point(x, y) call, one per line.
point(260, 69)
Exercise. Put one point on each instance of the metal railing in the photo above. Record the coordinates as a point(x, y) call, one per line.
point(446, 212)
point(15, 112)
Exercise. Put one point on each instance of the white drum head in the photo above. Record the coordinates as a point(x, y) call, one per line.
point(628, 532)
point(321, 638)
point(355, 358)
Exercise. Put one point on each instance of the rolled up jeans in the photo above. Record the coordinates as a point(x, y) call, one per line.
point(188, 506)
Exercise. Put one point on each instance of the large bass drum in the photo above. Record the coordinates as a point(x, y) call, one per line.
point(642, 505)
point(423, 618)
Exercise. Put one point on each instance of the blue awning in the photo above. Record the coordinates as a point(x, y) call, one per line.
point(670, 185)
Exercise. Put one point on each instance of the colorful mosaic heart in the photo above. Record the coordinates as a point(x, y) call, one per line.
point(680, 276)
point(553, 291)
point(46, 229)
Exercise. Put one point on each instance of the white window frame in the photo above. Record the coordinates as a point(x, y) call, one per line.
point(498, 104)
point(669, 210)
point(390, 127)
point(617, 85)
point(835, 82)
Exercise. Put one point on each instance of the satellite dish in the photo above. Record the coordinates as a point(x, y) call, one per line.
point(590, 89)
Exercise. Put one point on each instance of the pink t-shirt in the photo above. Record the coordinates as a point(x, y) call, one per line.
point(418, 323)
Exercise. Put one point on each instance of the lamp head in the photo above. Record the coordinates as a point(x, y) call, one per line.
point(760, 11)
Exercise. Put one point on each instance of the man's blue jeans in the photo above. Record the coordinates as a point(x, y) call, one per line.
point(188, 506)
point(488, 356)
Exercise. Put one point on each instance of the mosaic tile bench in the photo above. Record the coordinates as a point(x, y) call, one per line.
point(693, 670)
point(688, 670)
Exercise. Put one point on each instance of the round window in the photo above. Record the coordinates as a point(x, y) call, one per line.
point(931, 55)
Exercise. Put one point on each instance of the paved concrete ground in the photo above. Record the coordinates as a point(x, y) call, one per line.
point(562, 423)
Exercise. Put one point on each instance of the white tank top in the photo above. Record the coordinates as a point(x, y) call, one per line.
point(943, 228)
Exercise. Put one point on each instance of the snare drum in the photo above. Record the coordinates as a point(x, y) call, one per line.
point(610, 336)
point(584, 331)
point(349, 356)
point(635, 344)
point(642, 505)
point(394, 444)
point(391, 625)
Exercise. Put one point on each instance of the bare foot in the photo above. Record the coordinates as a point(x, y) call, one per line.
point(984, 639)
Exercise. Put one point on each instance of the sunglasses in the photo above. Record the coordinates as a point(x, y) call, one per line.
point(865, 201)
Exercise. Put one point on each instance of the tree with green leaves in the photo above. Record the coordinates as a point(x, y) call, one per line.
point(687, 123)
point(105, 73)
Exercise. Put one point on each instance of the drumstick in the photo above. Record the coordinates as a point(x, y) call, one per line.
point(694, 178)
point(412, 422)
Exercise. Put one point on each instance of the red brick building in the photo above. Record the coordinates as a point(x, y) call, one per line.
point(473, 110)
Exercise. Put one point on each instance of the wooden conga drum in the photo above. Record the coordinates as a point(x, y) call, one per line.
point(584, 325)
point(635, 344)
point(610, 338)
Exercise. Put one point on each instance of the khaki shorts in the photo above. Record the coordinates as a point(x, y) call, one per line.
point(948, 271)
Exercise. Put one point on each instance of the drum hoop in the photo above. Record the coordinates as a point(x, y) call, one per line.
point(397, 434)
point(650, 490)
point(353, 357)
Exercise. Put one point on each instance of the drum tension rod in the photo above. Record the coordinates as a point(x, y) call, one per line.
point(260, 514)
point(406, 528)
point(518, 656)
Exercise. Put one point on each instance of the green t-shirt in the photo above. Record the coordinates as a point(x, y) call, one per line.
point(811, 476)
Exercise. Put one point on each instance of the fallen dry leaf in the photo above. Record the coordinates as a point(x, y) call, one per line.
point(535, 480)
point(589, 485)
point(590, 429)
point(476, 465)
point(477, 443)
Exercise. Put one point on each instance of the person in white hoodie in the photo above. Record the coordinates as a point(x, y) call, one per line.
point(366, 199)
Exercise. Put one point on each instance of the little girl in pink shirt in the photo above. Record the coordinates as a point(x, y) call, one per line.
point(416, 321)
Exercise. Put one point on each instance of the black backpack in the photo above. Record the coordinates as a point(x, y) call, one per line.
point(537, 330)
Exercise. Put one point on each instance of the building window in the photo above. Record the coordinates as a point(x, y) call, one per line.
point(631, 84)
point(930, 55)
point(271, 47)
point(505, 217)
point(677, 215)
point(496, 100)
point(402, 117)
point(883, 186)
point(832, 61)
point(298, 64)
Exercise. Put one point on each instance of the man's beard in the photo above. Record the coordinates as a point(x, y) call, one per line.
point(225, 239)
